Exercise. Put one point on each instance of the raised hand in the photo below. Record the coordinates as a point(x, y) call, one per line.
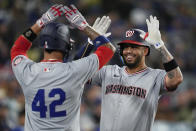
point(53, 13)
point(75, 17)
point(153, 36)
point(101, 26)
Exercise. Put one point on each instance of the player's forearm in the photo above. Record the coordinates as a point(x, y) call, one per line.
point(105, 51)
point(166, 56)
point(174, 76)
point(93, 35)
point(23, 43)
point(91, 32)
point(85, 50)
point(31, 33)
point(36, 29)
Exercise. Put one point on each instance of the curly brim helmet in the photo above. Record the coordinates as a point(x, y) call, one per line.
point(55, 36)
point(133, 38)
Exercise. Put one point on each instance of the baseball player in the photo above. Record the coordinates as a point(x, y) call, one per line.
point(130, 93)
point(53, 89)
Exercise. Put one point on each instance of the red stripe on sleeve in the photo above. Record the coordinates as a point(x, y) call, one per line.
point(104, 55)
point(20, 47)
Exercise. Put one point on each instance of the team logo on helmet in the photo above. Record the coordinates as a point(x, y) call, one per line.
point(129, 33)
point(46, 44)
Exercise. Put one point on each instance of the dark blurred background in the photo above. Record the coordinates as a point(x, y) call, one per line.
point(176, 111)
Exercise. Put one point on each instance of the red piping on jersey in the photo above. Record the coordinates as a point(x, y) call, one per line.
point(52, 60)
point(137, 71)
point(104, 55)
point(20, 47)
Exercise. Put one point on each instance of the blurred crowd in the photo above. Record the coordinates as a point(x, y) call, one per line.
point(176, 111)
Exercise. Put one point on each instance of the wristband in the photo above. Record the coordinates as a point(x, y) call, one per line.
point(170, 65)
point(29, 34)
point(100, 40)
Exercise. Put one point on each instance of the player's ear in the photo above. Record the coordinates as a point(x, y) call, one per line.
point(146, 51)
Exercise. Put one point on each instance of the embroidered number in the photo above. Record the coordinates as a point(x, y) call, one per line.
point(61, 94)
point(38, 103)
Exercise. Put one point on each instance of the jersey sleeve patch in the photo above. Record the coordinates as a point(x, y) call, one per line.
point(18, 60)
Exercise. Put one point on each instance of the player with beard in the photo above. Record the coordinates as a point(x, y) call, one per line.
point(133, 54)
point(130, 94)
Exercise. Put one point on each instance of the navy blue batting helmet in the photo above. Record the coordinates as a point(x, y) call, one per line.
point(132, 37)
point(56, 36)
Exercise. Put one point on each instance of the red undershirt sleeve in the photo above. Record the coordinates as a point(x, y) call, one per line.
point(104, 55)
point(20, 47)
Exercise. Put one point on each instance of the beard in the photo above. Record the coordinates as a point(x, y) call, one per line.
point(134, 64)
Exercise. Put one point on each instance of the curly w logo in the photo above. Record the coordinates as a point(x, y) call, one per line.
point(129, 33)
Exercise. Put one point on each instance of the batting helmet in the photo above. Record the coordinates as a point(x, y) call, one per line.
point(56, 36)
point(133, 38)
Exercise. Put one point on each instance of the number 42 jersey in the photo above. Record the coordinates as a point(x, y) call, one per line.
point(53, 91)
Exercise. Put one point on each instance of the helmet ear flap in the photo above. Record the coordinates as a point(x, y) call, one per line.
point(68, 48)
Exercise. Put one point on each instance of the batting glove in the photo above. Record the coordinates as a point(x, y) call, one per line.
point(75, 17)
point(101, 26)
point(53, 13)
point(153, 36)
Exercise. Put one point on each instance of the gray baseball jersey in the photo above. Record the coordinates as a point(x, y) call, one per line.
point(129, 101)
point(53, 91)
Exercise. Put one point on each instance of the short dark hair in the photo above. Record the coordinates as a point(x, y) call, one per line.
point(52, 50)
point(65, 55)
